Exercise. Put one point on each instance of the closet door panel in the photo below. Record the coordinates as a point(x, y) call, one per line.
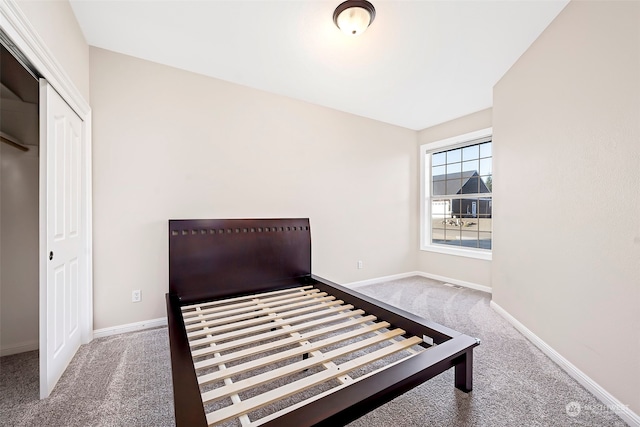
point(61, 247)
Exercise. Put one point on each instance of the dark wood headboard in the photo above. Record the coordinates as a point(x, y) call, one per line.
point(212, 258)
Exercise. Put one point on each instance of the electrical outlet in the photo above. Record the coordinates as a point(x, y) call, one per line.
point(359, 265)
point(136, 296)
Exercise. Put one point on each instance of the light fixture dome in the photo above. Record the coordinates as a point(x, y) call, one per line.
point(353, 17)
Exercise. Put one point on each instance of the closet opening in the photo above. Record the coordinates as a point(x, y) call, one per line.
point(19, 213)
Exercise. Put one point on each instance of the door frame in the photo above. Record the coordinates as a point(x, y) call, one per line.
point(38, 56)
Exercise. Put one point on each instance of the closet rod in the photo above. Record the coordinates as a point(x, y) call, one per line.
point(14, 144)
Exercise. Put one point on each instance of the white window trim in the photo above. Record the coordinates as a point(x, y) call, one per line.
point(425, 193)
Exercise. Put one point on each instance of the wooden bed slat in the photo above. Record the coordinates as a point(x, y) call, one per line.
point(260, 309)
point(274, 374)
point(308, 347)
point(276, 323)
point(285, 391)
point(244, 418)
point(266, 316)
point(186, 308)
point(248, 306)
point(280, 332)
point(313, 398)
point(272, 345)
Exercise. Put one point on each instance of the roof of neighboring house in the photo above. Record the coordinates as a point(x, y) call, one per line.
point(439, 182)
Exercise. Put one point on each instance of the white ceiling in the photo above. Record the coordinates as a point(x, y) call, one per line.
point(420, 63)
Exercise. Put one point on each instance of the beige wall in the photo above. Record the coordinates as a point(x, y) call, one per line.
point(56, 24)
point(566, 259)
point(18, 248)
point(173, 144)
point(464, 269)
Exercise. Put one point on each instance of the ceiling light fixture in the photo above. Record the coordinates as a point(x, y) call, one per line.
point(353, 17)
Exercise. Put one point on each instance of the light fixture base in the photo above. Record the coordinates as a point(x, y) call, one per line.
point(346, 23)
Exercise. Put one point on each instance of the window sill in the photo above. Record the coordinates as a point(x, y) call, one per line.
point(467, 253)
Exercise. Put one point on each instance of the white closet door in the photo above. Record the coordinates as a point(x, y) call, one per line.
point(62, 236)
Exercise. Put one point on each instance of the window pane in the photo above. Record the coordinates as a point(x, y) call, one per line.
point(469, 239)
point(484, 224)
point(454, 168)
point(440, 210)
point(471, 186)
point(485, 167)
point(486, 186)
point(471, 166)
point(449, 228)
point(452, 236)
point(456, 206)
point(470, 153)
point(437, 235)
point(466, 208)
point(454, 156)
point(438, 173)
point(438, 158)
point(485, 150)
point(453, 186)
point(470, 224)
point(484, 240)
point(485, 208)
point(438, 188)
point(440, 215)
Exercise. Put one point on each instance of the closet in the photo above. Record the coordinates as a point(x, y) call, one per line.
point(19, 199)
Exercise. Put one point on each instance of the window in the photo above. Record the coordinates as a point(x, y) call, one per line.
point(457, 203)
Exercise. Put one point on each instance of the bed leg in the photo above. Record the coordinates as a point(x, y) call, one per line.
point(464, 372)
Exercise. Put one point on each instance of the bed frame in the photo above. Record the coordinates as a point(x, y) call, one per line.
point(244, 288)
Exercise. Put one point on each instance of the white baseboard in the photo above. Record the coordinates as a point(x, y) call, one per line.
point(20, 347)
point(130, 327)
point(354, 285)
point(600, 393)
point(375, 280)
point(462, 283)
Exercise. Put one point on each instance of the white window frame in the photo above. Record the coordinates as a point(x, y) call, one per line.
point(425, 194)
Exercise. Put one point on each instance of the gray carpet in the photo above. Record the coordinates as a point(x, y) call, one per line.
point(125, 380)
